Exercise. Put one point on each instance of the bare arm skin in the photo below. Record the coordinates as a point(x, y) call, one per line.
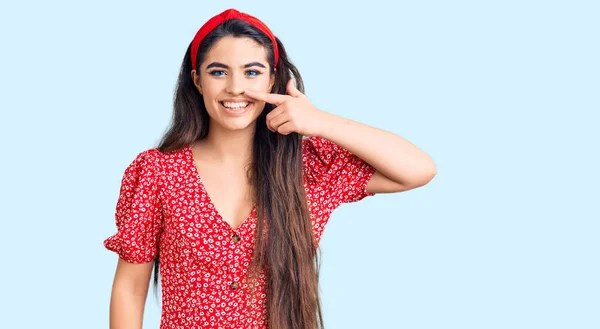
point(399, 164)
point(128, 297)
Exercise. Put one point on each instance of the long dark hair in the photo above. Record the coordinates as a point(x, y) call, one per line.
point(288, 250)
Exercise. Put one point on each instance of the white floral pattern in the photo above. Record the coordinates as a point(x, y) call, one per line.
point(163, 207)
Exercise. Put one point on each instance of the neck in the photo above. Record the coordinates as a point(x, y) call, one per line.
point(228, 147)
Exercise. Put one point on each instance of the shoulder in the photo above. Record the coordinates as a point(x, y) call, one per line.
point(318, 155)
point(156, 162)
point(315, 144)
point(311, 148)
point(167, 164)
point(319, 150)
point(314, 148)
point(148, 158)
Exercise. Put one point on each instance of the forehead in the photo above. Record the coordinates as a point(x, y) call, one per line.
point(235, 51)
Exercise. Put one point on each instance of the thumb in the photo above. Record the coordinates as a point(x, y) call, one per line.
point(292, 90)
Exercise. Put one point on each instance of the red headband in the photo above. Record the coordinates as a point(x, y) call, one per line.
point(228, 14)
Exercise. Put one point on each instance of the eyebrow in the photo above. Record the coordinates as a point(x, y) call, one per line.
point(221, 65)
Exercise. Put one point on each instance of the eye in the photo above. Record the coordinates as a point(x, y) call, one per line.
point(217, 73)
point(253, 73)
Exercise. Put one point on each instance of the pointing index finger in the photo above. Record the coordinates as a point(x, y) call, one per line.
point(275, 99)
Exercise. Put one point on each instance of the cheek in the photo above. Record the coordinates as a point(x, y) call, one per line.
point(259, 108)
point(212, 89)
point(261, 83)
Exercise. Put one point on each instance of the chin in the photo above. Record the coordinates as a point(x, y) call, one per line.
point(239, 124)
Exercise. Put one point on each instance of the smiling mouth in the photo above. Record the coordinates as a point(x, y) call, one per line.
point(235, 106)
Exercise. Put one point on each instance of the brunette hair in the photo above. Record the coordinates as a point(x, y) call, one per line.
point(284, 242)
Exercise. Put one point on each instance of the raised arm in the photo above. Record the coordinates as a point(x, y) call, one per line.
point(399, 164)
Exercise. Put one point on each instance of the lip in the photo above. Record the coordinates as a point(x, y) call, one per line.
point(237, 100)
point(235, 113)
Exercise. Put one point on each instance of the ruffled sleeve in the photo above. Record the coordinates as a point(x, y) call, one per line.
point(138, 212)
point(343, 175)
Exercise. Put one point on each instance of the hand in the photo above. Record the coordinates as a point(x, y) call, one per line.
point(292, 113)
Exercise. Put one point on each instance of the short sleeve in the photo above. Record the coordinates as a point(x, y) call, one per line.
point(342, 174)
point(138, 213)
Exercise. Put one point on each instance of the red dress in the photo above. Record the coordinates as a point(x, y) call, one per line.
point(164, 206)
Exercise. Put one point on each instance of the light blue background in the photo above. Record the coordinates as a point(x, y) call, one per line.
point(504, 95)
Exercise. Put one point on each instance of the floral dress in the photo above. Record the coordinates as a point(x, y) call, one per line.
point(163, 207)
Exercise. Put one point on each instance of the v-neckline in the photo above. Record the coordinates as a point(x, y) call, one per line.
point(218, 217)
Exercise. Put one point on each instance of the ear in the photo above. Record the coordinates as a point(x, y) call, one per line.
point(271, 82)
point(196, 79)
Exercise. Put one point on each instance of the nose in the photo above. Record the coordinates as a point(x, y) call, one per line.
point(236, 84)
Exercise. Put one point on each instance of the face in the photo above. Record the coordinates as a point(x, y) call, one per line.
point(231, 66)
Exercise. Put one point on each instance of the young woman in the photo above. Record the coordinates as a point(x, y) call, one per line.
point(230, 207)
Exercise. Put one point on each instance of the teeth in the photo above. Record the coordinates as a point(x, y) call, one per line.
point(234, 106)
